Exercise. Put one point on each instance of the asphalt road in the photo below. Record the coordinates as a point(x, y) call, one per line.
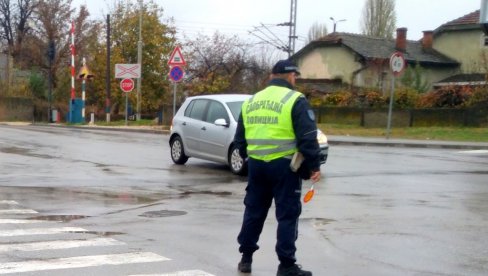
point(118, 206)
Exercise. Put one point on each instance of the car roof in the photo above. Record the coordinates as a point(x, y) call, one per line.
point(222, 97)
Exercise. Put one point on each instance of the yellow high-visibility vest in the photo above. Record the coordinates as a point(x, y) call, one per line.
point(268, 123)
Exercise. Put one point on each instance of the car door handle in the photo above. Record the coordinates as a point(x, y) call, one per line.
point(184, 123)
point(204, 128)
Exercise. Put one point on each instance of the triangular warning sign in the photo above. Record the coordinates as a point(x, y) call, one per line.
point(176, 58)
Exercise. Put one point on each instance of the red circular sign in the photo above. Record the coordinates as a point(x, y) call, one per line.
point(127, 85)
point(397, 63)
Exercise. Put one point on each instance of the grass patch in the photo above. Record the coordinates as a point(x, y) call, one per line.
point(423, 133)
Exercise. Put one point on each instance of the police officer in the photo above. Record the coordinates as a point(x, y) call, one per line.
point(274, 124)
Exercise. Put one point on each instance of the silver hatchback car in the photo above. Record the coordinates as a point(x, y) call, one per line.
point(204, 128)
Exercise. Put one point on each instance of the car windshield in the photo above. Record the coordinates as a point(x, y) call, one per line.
point(235, 108)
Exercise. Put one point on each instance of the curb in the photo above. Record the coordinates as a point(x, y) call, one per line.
point(333, 139)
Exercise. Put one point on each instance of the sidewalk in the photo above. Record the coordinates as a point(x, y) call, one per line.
point(337, 139)
point(333, 139)
point(396, 142)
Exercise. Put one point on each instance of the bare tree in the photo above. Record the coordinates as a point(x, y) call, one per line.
point(14, 18)
point(316, 31)
point(222, 63)
point(379, 18)
point(52, 24)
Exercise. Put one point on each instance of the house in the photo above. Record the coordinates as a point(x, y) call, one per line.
point(463, 39)
point(358, 60)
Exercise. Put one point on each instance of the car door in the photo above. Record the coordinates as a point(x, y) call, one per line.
point(192, 126)
point(215, 139)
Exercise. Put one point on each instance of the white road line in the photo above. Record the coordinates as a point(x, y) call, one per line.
point(10, 202)
point(83, 261)
point(474, 152)
point(59, 244)
point(180, 273)
point(22, 221)
point(39, 231)
point(17, 211)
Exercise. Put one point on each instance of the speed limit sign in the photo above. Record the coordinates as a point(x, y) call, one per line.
point(397, 63)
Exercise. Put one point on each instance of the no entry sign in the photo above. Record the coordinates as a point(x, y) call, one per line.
point(127, 85)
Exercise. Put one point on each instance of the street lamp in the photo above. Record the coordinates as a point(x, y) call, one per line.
point(335, 22)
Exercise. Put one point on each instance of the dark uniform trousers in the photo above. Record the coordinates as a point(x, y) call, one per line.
point(268, 181)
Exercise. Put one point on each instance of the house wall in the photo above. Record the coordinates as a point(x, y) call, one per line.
point(433, 75)
point(339, 63)
point(466, 46)
point(328, 63)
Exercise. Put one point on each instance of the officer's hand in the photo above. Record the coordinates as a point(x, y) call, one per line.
point(315, 177)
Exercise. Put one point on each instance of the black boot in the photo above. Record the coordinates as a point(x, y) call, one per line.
point(244, 265)
point(294, 270)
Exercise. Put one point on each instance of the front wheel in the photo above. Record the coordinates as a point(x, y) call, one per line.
point(177, 151)
point(236, 163)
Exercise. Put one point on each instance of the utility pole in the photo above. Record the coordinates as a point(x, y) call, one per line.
point(51, 52)
point(107, 75)
point(139, 61)
point(293, 27)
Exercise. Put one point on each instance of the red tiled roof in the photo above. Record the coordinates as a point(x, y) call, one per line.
point(470, 18)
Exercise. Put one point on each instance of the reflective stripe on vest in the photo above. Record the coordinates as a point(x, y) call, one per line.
point(268, 124)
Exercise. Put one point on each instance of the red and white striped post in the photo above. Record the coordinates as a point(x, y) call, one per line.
point(72, 48)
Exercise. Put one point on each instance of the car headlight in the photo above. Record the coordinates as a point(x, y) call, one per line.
point(321, 137)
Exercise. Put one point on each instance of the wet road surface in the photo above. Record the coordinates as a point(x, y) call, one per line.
point(378, 211)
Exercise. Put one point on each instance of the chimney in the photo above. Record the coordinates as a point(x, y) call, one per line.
point(428, 40)
point(401, 39)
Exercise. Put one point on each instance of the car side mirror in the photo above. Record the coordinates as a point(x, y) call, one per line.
point(221, 122)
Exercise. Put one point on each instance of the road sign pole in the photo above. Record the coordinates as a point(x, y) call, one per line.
point(126, 107)
point(174, 99)
point(397, 65)
point(390, 108)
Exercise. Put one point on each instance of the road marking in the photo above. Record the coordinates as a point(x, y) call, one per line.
point(22, 221)
point(179, 273)
point(17, 211)
point(474, 152)
point(39, 231)
point(83, 261)
point(10, 202)
point(59, 244)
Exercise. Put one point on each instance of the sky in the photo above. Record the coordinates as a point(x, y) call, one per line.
point(240, 17)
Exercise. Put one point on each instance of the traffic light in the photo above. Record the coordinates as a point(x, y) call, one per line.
point(51, 51)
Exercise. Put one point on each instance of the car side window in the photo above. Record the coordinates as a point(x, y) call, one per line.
point(189, 108)
point(216, 111)
point(196, 109)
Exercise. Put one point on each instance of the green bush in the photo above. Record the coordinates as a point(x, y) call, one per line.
point(405, 97)
point(37, 85)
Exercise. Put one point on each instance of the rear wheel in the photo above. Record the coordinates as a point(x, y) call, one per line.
point(177, 151)
point(236, 163)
